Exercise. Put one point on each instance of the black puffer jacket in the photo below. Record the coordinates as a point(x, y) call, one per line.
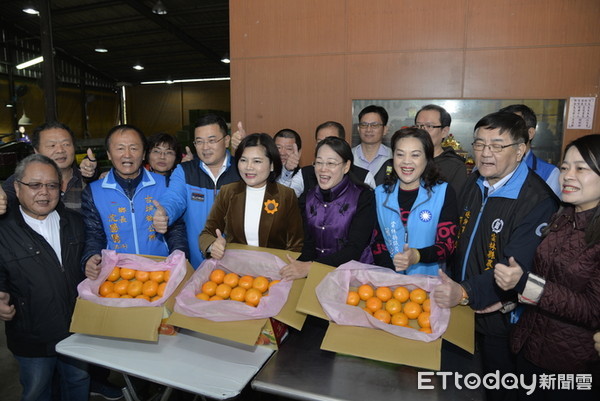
point(42, 289)
point(557, 334)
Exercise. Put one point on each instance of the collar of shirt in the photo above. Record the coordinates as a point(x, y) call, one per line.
point(223, 168)
point(499, 184)
point(381, 151)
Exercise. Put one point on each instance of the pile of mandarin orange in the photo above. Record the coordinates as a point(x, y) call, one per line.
point(129, 283)
point(398, 306)
point(230, 286)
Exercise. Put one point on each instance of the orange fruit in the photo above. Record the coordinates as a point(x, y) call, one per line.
point(353, 298)
point(382, 315)
point(127, 274)
point(223, 291)
point(383, 293)
point(374, 304)
point(425, 330)
point(427, 305)
point(155, 298)
point(121, 286)
point(393, 306)
point(142, 275)
point(365, 292)
point(253, 296)
point(215, 298)
point(209, 288)
point(161, 289)
point(135, 288)
point(418, 295)
point(367, 310)
point(114, 274)
point(167, 275)
point(113, 295)
point(401, 294)
point(203, 296)
point(238, 294)
point(399, 319)
point(126, 296)
point(142, 296)
point(217, 276)
point(412, 309)
point(150, 288)
point(231, 279)
point(261, 283)
point(246, 282)
point(423, 319)
point(272, 283)
point(158, 276)
point(106, 288)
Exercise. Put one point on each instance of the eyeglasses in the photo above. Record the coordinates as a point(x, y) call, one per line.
point(210, 142)
point(166, 153)
point(494, 147)
point(36, 186)
point(369, 125)
point(329, 165)
point(427, 127)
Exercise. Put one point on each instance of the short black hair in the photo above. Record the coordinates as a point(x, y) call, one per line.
point(210, 119)
point(445, 118)
point(35, 136)
point(291, 134)
point(505, 121)
point(35, 158)
point(525, 111)
point(332, 124)
point(264, 140)
point(375, 109)
point(169, 140)
point(125, 127)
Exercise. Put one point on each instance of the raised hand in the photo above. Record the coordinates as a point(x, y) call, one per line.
point(403, 260)
point(293, 159)
point(447, 294)
point(295, 269)
point(217, 249)
point(160, 220)
point(237, 136)
point(188, 155)
point(88, 165)
point(7, 312)
point(507, 277)
point(92, 267)
point(3, 201)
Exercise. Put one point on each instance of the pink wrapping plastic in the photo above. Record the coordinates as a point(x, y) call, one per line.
point(242, 262)
point(175, 262)
point(333, 291)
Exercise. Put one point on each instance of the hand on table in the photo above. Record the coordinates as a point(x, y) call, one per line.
point(295, 269)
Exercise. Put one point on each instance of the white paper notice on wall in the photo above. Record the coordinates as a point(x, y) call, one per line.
point(581, 112)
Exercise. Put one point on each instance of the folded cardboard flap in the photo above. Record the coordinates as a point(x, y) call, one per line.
point(308, 302)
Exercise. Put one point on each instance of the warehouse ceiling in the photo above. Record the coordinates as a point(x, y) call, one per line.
point(187, 42)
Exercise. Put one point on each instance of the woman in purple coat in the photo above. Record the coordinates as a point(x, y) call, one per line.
point(339, 215)
point(554, 336)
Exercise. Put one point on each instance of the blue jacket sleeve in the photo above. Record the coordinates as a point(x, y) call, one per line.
point(525, 238)
point(174, 199)
point(95, 237)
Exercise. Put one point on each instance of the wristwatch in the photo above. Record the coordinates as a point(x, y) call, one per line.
point(465, 297)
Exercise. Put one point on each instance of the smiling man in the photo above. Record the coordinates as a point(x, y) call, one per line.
point(371, 153)
point(194, 185)
point(118, 209)
point(504, 206)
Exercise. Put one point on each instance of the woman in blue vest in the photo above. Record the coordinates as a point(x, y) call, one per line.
point(416, 210)
point(339, 216)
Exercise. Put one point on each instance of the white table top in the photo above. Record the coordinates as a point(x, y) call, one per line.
point(189, 361)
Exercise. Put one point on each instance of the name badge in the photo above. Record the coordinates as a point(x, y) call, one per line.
point(197, 197)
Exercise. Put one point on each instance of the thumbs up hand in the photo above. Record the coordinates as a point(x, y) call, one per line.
point(293, 159)
point(188, 155)
point(3, 201)
point(237, 136)
point(408, 257)
point(7, 312)
point(217, 248)
point(88, 165)
point(449, 293)
point(160, 220)
point(507, 277)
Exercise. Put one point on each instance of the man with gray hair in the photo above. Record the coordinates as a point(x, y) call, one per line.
point(41, 243)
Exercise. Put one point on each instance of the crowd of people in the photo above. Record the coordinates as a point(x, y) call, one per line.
point(500, 239)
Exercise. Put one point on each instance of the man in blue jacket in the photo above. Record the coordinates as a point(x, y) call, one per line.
point(504, 206)
point(194, 185)
point(118, 209)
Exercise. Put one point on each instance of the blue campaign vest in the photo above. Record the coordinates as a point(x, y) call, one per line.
point(127, 223)
point(422, 222)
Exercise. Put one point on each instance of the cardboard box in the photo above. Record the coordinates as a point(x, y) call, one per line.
point(251, 332)
point(380, 345)
point(138, 323)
